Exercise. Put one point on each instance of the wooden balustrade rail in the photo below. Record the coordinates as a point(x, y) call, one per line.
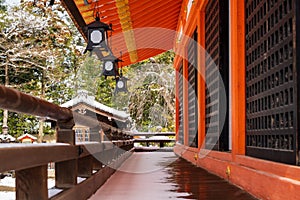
point(16, 101)
point(93, 161)
point(30, 163)
point(23, 156)
point(151, 137)
point(151, 133)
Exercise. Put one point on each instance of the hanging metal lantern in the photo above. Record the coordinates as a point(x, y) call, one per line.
point(97, 35)
point(110, 66)
point(121, 84)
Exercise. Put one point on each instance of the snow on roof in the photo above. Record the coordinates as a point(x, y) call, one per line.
point(26, 135)
point(83, 97)
point(7, 136)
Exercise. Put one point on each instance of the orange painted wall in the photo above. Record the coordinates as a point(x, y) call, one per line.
point(196, 19)
point(264, 179)
point(190, 24)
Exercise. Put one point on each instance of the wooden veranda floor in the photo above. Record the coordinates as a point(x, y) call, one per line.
point(161, 175)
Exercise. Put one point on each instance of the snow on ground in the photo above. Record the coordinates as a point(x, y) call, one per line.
point(7, 196)
point(10, 182)
point(7, 181)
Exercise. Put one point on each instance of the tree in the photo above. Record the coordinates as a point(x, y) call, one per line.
point(2, 6)
point(41, 48)
point(37, 50)
point(89, 74)
point(151, 97)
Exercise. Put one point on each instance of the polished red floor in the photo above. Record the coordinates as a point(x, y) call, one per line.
point(161, 175)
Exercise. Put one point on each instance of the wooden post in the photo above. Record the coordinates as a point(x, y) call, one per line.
point(31, 183)
point(238, 82)
point(5, 112)
point(161, 144)
point(97, 164)
point(66, 171)
point(201, 81)
point(177, 104)
point(101, 135)
point(185, 100)
point(85, 166)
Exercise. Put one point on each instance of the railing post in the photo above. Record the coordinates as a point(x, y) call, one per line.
point(31, 183)
point(161, 144)
point(66, 171)
point(97, 164)
point(85, 166)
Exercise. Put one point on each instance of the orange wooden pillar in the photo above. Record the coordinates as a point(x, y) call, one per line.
point(185, 101)
point(201, 80)
point(177, 103)
point(237, 67)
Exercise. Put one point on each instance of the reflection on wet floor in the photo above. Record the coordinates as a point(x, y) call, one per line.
point(162, 175)
point(199, 184)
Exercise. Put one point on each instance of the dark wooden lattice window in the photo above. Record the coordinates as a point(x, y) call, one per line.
point(216, 74)
point(180, 98)
point(271, 84)
point(192, 88)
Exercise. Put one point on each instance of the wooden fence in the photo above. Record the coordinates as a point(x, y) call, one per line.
point(93, 161)
point(148, 138)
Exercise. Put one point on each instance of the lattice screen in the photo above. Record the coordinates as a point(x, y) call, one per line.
point(192, 88)
point(271, 79)
point(180, 97)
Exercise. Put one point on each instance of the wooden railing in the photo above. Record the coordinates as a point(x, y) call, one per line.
point(93, 161)
point(151, 137)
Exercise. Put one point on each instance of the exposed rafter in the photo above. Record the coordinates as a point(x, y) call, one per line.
point(128, 17)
